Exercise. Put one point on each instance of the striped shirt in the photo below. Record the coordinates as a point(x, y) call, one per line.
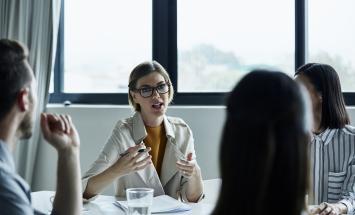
point(332, 155)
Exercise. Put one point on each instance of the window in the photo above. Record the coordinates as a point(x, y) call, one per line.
point(103, 41)
point(331, 37)
point(223, 40)
point(205, 49)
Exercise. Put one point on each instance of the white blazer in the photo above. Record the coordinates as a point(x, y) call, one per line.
point(131, 131)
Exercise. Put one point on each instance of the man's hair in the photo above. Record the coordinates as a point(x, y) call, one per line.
point(263, 153)
point(14, 73)
point(326, 82)
point(142, 70)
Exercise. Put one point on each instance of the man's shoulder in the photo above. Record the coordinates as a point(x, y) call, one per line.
point(6, 174)
point(15, 194)
point(12, 182)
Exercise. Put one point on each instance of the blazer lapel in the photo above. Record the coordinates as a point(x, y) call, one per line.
point(138, 128)
point(139, 133)
point(149, 175)
point(169, 163)
point(151, 179)
point(171, 156)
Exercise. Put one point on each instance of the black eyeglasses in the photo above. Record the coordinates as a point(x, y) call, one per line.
point(147, 91)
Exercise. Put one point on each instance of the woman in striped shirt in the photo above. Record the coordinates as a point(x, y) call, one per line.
point(332, 146)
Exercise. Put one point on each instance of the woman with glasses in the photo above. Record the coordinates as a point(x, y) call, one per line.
point(170, 167)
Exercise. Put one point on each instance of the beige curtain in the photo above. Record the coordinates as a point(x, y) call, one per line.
point(34, 23)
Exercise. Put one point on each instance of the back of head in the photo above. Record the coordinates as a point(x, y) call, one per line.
point(326, 82)
point(263, 157)
point(14, 73)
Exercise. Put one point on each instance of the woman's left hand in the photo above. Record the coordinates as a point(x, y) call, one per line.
point(191, 171)
point(329, 209)
point(187, 167)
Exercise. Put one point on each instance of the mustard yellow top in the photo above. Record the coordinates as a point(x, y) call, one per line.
point(156, 140)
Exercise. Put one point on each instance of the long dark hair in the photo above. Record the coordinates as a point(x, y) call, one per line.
point(263, 156)
point(326, 81)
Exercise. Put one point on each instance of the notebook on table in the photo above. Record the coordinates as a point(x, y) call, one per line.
point(161, 204)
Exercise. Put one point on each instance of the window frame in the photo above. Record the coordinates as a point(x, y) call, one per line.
point(164, 50)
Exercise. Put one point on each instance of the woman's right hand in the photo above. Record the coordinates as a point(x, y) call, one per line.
point(132, 161)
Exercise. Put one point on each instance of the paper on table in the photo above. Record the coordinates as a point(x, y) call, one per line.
point(161, 204)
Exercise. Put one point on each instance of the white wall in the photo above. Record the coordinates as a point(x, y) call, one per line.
point(95, 124)
point(351, 111)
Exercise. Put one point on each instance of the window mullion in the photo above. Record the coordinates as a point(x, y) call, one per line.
point(165, 36)
point(300, 33)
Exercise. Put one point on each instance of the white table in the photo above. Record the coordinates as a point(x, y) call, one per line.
point(42, 201)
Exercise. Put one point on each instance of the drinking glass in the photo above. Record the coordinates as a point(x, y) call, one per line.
point(139, 201)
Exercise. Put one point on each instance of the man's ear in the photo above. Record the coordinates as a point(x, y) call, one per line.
point(23, 100)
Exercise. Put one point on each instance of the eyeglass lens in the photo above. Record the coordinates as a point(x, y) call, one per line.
point(148, 91)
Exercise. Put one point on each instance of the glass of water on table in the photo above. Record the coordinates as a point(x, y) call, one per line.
point(139, 201)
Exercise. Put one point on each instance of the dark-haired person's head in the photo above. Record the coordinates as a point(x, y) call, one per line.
point(17, 86)
point(263, 155)
point(323, 85)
